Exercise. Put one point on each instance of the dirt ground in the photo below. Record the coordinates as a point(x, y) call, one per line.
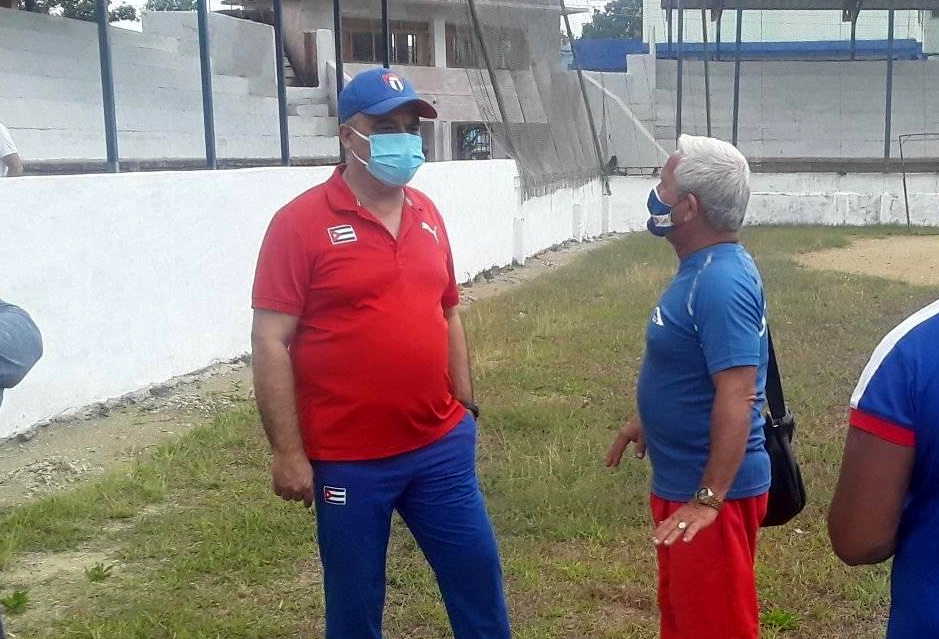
point(914, 260)
point(108, 435)
point(105, 436)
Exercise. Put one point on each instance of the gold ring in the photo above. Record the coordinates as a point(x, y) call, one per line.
point(682, 525)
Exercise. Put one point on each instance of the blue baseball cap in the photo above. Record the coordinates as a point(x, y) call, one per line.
point(378, 92)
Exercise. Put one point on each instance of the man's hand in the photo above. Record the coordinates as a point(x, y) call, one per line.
point(630, 432)
point(684, 523)
point(292, 476)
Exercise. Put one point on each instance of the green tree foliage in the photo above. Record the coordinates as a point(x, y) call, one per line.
point(171, 5)
point(83, 9)
point(619, 19)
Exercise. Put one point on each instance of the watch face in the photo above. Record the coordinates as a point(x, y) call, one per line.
point(705, 493)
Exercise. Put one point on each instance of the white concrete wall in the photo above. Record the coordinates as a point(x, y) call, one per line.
point(51, 90)
point(804, 109)
point(784, 26)
point(135, 278)
point(620, 130)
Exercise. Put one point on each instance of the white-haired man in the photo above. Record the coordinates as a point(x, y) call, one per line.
point(700, 397)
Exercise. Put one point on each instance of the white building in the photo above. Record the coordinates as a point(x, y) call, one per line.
point(792, 26)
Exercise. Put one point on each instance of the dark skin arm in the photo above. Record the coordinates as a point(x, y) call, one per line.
point(735, 389)
point(459, 358)
point(865, 512)
point(291, 473)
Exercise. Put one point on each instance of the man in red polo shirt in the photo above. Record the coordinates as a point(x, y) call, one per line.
point(361, 367)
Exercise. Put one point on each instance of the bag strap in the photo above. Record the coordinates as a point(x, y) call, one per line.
point(774, 391)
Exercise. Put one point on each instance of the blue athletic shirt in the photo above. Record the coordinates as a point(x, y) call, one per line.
point(897, 399)
point(709, 319)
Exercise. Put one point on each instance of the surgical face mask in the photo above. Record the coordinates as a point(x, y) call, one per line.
point(394, 158)
point(660, 215)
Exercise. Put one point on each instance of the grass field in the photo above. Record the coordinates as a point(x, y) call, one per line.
point(190, 543)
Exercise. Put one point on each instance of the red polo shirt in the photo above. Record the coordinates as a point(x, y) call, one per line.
point(371, 351)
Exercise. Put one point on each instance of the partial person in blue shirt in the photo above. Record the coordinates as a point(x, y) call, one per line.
point(20, 349)
point(20, 345)
point(700, 398)
point(887, 501)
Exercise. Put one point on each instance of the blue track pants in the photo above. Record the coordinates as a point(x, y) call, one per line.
point(436, 492)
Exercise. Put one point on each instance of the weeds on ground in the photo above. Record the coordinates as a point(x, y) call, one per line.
point(555, 365)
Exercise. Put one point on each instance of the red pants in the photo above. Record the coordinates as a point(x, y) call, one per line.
point(707, 588)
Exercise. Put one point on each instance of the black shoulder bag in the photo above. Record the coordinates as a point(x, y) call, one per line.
point(787, 491)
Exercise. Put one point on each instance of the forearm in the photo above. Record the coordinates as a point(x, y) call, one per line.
point(730, 430)
point(459, 366)
point(275, 393)
point(14, 165)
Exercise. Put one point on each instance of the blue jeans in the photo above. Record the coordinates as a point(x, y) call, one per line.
point(436, 492)
point(20, 345)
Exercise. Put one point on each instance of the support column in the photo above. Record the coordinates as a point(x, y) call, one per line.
point(440, 41)
point(736, 115)
point(385, 35)
point(208, 105)
point(281, 85)
point(679, 77)
point(888, 108)
point(107, 86)
point(443, 140)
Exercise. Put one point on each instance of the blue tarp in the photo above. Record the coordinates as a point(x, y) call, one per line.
point(610, 54)
point(818, 50)
point(607, 54)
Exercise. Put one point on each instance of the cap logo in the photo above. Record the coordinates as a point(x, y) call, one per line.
point(394, 82)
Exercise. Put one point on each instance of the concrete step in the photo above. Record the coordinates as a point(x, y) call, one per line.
point(142, 94)
point(312, 126)
point(307, 95)
point(87, 52)
point(48, 114)
point(37, 145)
point(308, 110)
point(24, 30)
point(126, 72)
point(123, 43)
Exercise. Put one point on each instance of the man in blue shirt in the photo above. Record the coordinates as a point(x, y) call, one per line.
point(887, 501)
point(700, 398)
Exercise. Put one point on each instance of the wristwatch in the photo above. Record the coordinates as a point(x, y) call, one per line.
point(473, 408)
point(706, 497)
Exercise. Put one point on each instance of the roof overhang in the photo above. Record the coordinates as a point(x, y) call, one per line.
point(803, 5)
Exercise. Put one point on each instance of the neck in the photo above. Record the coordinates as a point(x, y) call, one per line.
point(691, 245)
point(370, 191)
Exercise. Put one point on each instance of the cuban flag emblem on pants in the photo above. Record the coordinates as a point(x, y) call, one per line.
point(332, 495)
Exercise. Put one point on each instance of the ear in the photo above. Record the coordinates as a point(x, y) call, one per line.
point(345, 134)
point(694, 206)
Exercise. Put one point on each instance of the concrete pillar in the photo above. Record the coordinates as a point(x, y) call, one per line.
point(443, 141)
point(930, 33)
point(440, 41)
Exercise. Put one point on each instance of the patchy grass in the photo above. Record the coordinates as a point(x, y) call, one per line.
point(15, 603)
point(556, 361)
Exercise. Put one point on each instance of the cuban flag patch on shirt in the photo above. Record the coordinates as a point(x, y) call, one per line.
point(342, 234)
point(333, 495)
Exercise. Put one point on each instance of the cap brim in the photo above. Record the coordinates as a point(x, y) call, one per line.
point(424, 108)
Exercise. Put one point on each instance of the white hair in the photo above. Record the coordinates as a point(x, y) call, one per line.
point(718, 174)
